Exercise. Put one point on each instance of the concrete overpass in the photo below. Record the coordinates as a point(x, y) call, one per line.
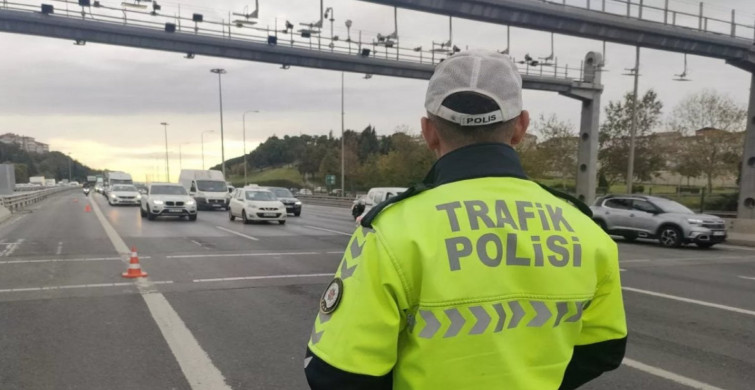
point(734, 47)
point(585, 88)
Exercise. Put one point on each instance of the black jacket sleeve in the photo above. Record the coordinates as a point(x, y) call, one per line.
point(323, 376)
point(590, 361)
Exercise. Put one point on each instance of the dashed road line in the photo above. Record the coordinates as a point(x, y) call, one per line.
point(195, 363)
point(72, 287)
point(248, 255)
point(746, 277)
point(693, 301)
point(266, 277)
point(328, 230)
point(35, 261)
point(59, 250)
point(668, 375)
point(237, 233)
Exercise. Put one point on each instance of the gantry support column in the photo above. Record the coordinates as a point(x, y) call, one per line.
point(587, 156)
point(746, 205)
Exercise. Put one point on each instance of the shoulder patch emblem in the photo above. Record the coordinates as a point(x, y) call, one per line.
point(332, 296)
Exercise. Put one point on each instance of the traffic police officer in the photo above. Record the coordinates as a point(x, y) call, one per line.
point(478, 278)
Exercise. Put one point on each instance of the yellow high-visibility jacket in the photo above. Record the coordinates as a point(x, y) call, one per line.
point(483, 281)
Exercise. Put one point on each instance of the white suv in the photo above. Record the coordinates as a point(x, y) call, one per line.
point(256, 204)
point(167, 199)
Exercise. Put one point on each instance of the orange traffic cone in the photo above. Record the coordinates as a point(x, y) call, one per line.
point(134, 269)
point(88, 209)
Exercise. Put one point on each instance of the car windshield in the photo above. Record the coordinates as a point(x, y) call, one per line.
point(124, 188)
point(669, 206)
point(117, 181)
point(211, 186)
point(259, 195)
point(282, 193)
point(168, 190)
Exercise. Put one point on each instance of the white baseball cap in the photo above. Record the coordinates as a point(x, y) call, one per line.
point(455, 89)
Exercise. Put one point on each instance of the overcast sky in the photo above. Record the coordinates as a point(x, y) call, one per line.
point(104, 104)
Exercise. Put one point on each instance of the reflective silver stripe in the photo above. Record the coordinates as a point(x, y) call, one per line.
point(483, 319)
point(323, 317)
point(307, 361)
point(432, 325)
point(517, 313)
point(347, 272)
point(562, 309)
point(316, 336)
point(501, 317)
point(578, 316)
point(355, 248)
point(457, 322)
point(543, 314)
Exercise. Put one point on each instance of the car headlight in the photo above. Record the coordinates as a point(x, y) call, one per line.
point(297, 203)
point(139, 197)
point(157, 202)
point(113, 196)
point(695, 221)
point(190, 203)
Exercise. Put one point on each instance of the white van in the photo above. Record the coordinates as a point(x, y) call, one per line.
point(378, 195)
point(208, 188)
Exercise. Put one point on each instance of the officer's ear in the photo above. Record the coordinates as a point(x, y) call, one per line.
point(520, 128)
point(430, 134)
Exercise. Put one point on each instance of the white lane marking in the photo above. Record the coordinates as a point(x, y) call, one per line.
point(328, 230)
point(197, 242)
point(246, 255)
point(59, 250)
point(735, 247)
point(76, 286)
point(237, 233)
point(746, 277)
point(635, 261)
point(10, 248)
point(622, 270)
point(261, 278)
point(195, 364)
point(668, 375)
point(694, 301)
point(67, 260)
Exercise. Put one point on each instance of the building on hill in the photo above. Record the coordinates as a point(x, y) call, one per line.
point(28, 144)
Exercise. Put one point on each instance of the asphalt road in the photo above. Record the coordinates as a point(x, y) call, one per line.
point(247, 294)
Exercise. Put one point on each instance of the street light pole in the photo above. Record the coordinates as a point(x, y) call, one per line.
point(202, 136)
point(220, 72)
point(343, 143)
point(243, 119)
point(633, 129)
point(180, 156)
point(167, 167)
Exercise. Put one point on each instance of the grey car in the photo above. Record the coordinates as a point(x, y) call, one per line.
point(638, 216)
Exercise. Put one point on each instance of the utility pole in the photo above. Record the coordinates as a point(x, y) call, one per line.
point(221, 72)
point(343, 143)
point(167, 168)
point(633, 129)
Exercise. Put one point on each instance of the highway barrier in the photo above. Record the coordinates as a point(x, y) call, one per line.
point(21, 200)
point(332, 201)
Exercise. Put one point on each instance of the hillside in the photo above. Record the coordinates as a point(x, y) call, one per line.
point(53, 165)
point(398, 159)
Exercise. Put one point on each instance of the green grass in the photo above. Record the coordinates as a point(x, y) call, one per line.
point(288, 173)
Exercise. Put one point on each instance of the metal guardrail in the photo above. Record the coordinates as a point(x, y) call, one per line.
point(332, 201)
point(17, 202)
